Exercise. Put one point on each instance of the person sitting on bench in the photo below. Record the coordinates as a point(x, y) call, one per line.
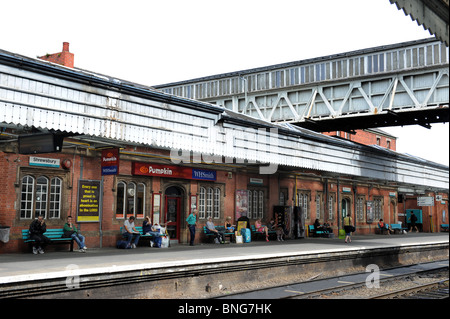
point(37, 230)
point(212, 229)
point(383, 225)
point(130, 232)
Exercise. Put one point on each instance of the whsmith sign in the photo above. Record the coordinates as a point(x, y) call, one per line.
point(149, 169)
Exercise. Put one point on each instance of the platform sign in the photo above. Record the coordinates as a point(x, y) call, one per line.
point(88, 204)
point(425, 201)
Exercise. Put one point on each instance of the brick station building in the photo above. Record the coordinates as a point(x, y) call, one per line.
point(109, 167)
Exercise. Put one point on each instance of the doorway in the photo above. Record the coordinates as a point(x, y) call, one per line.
point(345, 207)
point(173, 211)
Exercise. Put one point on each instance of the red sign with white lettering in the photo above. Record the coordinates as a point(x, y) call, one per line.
point(150, 169)
point(110, 161)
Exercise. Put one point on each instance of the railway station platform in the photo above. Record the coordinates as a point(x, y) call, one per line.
point(205, 270)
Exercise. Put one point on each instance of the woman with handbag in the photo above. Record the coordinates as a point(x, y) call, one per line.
point(348, 228)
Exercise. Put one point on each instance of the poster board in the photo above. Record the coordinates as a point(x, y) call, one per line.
point(88, 202)
point(241, 203)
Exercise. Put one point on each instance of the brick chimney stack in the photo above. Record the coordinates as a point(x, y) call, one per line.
point(64, 58)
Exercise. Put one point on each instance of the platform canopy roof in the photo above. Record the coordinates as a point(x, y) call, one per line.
point(37, 95)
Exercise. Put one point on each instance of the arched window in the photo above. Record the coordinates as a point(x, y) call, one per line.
point(40, 196)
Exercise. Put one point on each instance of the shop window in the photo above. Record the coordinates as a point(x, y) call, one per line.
point(130, 199)
point(41, 196)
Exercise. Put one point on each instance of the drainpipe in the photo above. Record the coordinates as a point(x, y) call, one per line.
point(355, 188)
point(326, 212)
point(339, 213)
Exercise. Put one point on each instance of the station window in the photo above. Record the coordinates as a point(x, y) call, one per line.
point(331, 206)
point(303, 199)
point(378, 208)
point(209, 202)
point(360, 202)
point(40, 195)
point(130, 199)
point(283, 197)
point(255, 204)
point(319, 206)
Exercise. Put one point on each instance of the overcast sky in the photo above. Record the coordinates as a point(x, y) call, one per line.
point(155, 42)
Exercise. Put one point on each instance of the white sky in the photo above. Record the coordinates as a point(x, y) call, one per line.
point(155, 42)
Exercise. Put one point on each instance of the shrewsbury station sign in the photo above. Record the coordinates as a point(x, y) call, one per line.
point(149, 169)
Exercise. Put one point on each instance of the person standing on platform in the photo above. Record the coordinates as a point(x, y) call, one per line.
point(413, 223)
point(192, 222)
point(37, 230)
point(348, 228)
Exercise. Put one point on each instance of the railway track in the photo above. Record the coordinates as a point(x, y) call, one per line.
point(416, 278)
point(434, 290)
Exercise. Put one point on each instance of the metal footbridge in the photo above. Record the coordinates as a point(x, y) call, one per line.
point(393, 85)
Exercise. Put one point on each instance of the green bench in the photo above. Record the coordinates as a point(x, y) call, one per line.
point(313, 233)
point(444, 227)
point(257, 234)
point(397, 228)
point(209, 234)
point(55, 236)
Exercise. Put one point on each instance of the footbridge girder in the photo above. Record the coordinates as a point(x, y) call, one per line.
point(400, 84)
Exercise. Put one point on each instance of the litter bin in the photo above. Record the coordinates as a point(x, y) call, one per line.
point(4, 234)
point(341, 234)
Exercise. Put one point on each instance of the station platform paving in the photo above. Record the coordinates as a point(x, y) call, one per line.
point(22, 267)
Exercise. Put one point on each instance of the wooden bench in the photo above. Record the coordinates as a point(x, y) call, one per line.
point(55, 236)
point(397, 228)
point(257, 234)
point(313, 233)
point(209, 234)
point(444, 227)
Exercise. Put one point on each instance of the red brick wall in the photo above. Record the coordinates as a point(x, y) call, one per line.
point(367, 138)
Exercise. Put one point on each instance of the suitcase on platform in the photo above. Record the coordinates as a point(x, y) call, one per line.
point(246, 235)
